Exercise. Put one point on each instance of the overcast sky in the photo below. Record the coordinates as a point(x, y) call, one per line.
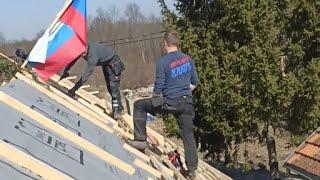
point(22, 19)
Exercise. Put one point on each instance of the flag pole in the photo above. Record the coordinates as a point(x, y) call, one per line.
point(66, 5)
point(54, 23)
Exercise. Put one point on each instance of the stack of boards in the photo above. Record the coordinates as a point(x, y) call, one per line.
point(44, 134)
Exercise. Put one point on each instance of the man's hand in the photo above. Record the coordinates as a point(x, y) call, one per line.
point(155, 95)
point(72, 93)
point(192, 87)
point(64, 75)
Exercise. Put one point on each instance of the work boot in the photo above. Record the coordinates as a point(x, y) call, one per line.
point(116, 115)
point(117, 109)
point(141, 145)
point(192, 175)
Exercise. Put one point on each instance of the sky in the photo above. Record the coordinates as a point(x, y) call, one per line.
point(22, 19)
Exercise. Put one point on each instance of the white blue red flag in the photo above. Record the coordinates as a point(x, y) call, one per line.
point(62, 43)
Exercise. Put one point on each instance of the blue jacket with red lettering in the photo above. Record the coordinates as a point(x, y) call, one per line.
point(174, 74)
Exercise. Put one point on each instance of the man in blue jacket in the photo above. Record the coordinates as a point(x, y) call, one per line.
point(176, 78)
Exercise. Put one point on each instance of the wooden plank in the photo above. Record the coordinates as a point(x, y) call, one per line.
point(136, 152)
point(7, 58)
point(88, 105)
point(201, 177)
point(21, 159)
point(85, 86)
point(147, 168)
point(83, 94)
point(67, 101)
point(160, 167)
point(165, 168)
point(210, 175)
point(94, 92)
point(177, 173)
point(97, 111)
point(71, 77)
point(209, 168)
point(214, 171)
point(125, 135)
point(61, 131)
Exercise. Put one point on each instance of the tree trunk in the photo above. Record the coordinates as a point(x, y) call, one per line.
point(272, 153)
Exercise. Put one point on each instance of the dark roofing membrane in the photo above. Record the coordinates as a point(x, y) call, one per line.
point(27, 135)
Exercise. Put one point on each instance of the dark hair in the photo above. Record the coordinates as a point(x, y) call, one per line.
point(171, 38)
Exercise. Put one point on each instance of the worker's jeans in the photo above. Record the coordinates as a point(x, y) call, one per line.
point(113, 85)
point(183, 110)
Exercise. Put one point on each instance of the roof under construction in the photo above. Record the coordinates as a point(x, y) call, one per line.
point(47, 135)
point(306, 158)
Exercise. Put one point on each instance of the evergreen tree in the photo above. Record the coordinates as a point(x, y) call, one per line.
point(302, 30)
point(237, 46)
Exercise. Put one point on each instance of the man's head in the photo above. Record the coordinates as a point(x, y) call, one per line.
point(171, 41)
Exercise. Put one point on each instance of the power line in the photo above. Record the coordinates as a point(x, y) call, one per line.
point(131, 37)
point(132, 41)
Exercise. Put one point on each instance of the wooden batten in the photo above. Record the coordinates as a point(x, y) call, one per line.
point(7, 58)
point(21, 159)
point(147, 168)
point(71, 77)
point(85, 86)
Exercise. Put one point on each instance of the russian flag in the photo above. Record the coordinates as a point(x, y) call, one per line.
point(62, 43)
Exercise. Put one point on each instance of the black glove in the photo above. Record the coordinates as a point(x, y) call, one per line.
point(64, 75)
point(20, 53)
point(72, 93)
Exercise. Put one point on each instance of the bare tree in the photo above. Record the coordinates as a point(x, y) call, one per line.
point(2, 39)
point(114, 14)
point(133, 13)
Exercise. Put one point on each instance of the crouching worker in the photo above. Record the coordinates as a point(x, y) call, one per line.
point(176, 78)
point(100, 55)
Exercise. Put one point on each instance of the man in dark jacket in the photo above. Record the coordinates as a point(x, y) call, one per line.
point(176, 78)
point(100, 55)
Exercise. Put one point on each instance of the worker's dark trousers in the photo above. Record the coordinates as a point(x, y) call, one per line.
point(183, 110)
point(113, 85)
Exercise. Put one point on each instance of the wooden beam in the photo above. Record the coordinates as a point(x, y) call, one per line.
point(177, 173)
point(21, 159)
point(94, 92)
point(207, 167)
point(82, 93)
point(164, 169)
point(24, 64)
point(71, 77)
point(62, 132)
point(97, 110)
point(88, 105)
point(85, 86)
point(125, 135)
point(147, 168)
point(167, 174)
point(7, 58)
point(136, 152)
